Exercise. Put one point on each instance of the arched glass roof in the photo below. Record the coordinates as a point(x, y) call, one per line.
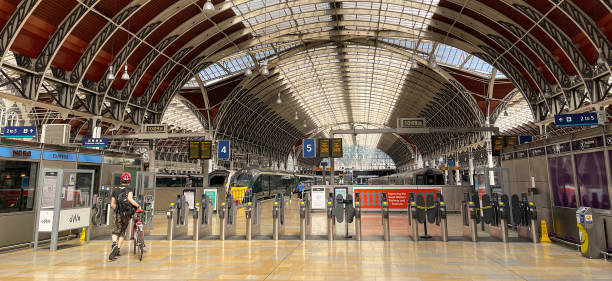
point(180, 116)
point(358, 157)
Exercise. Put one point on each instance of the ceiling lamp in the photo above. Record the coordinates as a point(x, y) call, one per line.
point(265, 70)
point(208, 6)
point(125, 75)
point(600, 59)
point(248, 72)
point(278, 99)
point(296, 116)
point(110, 75)
point(414, 65)
point(305, 124)
point(434, 64)
point(505, 113)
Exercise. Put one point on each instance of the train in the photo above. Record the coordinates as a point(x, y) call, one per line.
point(424, 176)
point(262, 184)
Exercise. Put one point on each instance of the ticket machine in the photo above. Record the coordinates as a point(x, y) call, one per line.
point(591, 233)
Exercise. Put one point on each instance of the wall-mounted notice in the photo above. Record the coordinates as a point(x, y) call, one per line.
point(48, 192)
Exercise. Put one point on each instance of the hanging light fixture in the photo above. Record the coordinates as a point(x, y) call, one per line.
point(208, 6)
point(305, 124)
point(125, 75)
point(505, 112)
point(110, 75)
point(414, 65)
point(265, 70)
point(278, 99)
point(434, 64)
point(296, 116)
point(600, 59)
point(248, 72)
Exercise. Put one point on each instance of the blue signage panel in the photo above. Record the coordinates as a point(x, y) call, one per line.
point(90, 158)
point(451, 163)
point(20, 132)
point(94, 142)
point(60, 156)
point(223, 149)
point(525, 139)
point(13, 152)
point(309, 148)
point(578, 119)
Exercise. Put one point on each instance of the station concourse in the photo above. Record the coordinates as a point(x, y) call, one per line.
point(305, 140)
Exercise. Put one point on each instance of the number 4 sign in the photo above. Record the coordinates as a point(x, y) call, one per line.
point(223, 149)
point(309, 148)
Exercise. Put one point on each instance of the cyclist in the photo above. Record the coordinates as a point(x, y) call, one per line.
point(125, 206)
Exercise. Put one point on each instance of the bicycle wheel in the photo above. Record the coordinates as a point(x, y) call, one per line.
point(140, 245)
point(135, 240)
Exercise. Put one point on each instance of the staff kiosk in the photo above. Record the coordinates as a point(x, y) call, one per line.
point(64, 203)
point(145, 194)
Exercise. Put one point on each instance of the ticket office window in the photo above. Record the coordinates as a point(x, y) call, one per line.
point(17, 185)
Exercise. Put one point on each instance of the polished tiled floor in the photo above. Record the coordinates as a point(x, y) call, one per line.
point(310, 260)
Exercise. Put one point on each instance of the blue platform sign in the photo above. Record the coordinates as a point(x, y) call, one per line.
point(20, 132)
point(309, 148)
point(578, 119)
point(94, 142)
point(223, 149)
point(525, 139)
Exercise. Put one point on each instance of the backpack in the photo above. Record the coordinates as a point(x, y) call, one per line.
point(124, 207)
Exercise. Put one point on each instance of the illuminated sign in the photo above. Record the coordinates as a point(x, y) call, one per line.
point(205, 149)
point(497, 143)
point(153, 128)
point(336, 145)
point(405, 123)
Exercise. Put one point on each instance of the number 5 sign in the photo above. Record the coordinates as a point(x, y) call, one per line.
point(309, 148)
point(223, 149)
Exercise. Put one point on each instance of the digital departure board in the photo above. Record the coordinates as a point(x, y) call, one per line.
point(336, 145)
point(511, 140)
point(205, 149)
point(323, 148)
point(194, 150)
point(497, 143)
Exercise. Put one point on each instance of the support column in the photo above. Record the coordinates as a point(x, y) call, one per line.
point(331, 173)
point(204, 164)
point(489, 154)
point(471, 165)
point(152, 157)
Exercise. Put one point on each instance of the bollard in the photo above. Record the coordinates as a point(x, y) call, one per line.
point(533, 217)
point(443, 223)
point(385, 215)
point(249, 221)
point(302, 221)
point(330, 221)
point(415, 223)
point(222, 221)
point(171, 214)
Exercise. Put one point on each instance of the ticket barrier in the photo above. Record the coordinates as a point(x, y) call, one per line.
point(331, 223)
point(499, 223)
point(385, 217)
point(278, 217)
point(470, 216)
point(344, 211)
point(253, 222)
point(176, 220)
point(592, 234)
point(202, 218)
point(357, 217)
point(227, 218)
point(430, 213)
point(525, 218)
point(305, 217)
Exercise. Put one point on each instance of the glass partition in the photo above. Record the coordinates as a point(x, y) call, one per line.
point(562, 181)
point(592, 180)
point(17, 185)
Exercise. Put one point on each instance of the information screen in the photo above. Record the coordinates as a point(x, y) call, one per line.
point(511, 140)
point(194, 150)
point(205, 149)
point(324, 148)
point(498, 144)
point(336, 145)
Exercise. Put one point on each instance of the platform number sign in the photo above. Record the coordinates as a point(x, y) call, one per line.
point(309, 148)
point(223, 149)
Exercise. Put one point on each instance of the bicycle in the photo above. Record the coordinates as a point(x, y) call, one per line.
point(138, 234)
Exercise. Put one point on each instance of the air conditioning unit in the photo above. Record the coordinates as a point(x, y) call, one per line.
point(56, 133)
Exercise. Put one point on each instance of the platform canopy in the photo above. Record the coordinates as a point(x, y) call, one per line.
point(333, 64)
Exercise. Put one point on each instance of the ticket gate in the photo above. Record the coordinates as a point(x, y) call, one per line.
point(227, 218)
point(385, 217)
point(470, 217)
point(252, 214)
point(429, 213)
point(498, 227)
point(525, 216)
point(202, 218)
point(591, 233)
point(176, 219)
point(305, 217)
point(357, 217)
point(278, 216)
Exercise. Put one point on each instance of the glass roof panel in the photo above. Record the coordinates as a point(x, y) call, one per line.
point(179, 115)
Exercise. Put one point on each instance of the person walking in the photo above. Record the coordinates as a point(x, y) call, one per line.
point(300, 189)
point(125, 206)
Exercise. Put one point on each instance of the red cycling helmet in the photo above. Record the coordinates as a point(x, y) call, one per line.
point(126, 177)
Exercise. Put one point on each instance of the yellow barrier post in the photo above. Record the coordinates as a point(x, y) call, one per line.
point(83, 234)
point(544, 235)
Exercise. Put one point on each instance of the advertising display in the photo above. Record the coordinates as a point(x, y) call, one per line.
point(319, 198)
point(190, 197)
point(212, 195)
point(371, 196)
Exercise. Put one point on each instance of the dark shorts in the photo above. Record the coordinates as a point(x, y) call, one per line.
point(120, 225)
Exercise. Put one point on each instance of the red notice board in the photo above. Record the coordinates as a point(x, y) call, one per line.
point(370, 196)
